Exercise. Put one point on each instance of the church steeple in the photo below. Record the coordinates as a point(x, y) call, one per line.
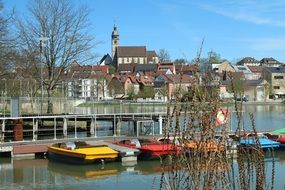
point(115, 40)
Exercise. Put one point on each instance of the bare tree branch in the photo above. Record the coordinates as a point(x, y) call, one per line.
point(69, 36)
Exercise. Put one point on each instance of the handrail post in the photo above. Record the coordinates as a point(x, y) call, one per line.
point(75, 127)
point(138, 128)
point(65, 127)
point(115, 126)
point(152, 128)
point(95, 124)
point(160, 124)
point(35, 129)
point(54, 133)
point(92, 126)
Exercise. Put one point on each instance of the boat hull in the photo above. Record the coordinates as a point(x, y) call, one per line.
point(84, 155)
point(265, 144)
point(57, 157)
point(152, 150)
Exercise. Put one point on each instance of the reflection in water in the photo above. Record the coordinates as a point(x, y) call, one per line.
point(266, 117)
point(79, 172)
point(23, 174)
point(42, 174)
point(264, 108)
point(100, 171)
point(279, 157)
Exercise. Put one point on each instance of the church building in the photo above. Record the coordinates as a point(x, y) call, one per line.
point(130, 54)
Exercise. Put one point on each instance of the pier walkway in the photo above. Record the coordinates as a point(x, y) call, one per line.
point(30, 135)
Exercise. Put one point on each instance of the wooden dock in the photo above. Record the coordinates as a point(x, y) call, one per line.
point(39, 148)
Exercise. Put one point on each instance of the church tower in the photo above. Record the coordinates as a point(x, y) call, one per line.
point(115, 40)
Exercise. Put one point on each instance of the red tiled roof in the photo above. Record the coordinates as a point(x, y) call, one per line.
point(186, 68)
point(255, 69)
point(101, 68)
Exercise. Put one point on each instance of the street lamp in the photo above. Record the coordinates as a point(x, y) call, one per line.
point(5, 95)
point(42, 44)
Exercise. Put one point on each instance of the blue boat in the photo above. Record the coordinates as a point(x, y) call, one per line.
point(251, 140)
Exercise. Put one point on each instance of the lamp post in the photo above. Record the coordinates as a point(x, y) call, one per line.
point(42, 44)
point(5, 95)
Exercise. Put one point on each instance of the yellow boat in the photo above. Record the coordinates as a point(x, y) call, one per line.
point(82, 172)
point(80, 153)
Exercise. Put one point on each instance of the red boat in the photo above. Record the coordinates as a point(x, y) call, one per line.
point(150, 149)
point(277, 137)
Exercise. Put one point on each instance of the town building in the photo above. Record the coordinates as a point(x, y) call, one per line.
point(270, 62)
point(256, 72)
point(130, 54)
point(225, 66)
point(169, 84)
point(245, 70)
point(275, 77)
point(87, 81)
point(248, 61)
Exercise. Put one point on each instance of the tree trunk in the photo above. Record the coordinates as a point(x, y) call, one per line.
point(49, 103)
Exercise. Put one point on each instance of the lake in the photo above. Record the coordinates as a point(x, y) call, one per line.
point(42, 174)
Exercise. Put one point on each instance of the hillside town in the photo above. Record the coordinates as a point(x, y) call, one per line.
point(136, 73)
point(140, 75)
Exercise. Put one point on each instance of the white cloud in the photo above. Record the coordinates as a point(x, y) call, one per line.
point(261, 12)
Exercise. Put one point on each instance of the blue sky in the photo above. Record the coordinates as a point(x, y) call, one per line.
point(232, 28)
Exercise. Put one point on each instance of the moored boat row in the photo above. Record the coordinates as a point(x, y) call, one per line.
point(82, 153)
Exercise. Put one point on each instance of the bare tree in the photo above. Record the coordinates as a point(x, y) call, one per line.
point(59, 32)
point(163, 55)
point(6, 41)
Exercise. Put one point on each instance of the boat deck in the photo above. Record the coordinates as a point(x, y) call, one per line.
point(126, 154)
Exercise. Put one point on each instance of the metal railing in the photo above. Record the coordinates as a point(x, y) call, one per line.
point(35, 128)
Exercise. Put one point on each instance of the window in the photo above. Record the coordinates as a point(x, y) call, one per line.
point(278, 77)
point(141, 60)
point(276, 87)
point(135, 60)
